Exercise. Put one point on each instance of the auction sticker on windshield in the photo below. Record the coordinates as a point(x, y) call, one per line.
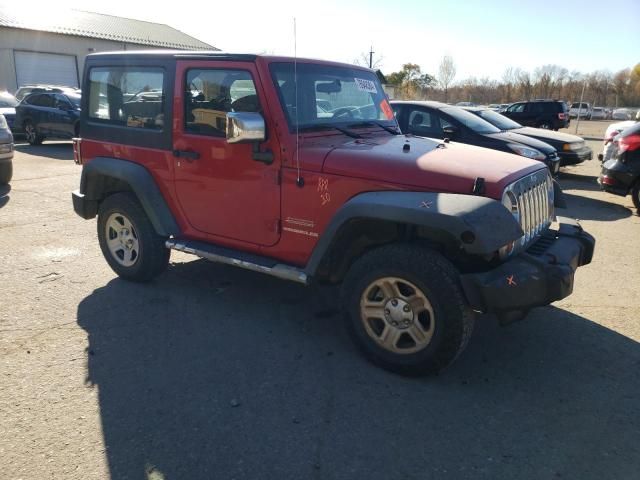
point(366, 85)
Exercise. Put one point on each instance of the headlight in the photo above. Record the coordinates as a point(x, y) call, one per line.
point(3, 122)
point(572, 147)
point(526, 151)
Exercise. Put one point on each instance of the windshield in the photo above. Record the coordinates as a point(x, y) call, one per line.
point(500, 121)
point(7, 101)
point(75, 99)
point(470, 120)
point(328, 95)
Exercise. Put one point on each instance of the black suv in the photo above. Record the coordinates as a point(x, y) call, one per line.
point(550, 114)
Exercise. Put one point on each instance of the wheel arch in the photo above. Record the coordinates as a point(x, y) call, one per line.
point(104, 176)
point(459, 226)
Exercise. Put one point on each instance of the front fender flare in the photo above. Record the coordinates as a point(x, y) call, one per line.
point(447, 215)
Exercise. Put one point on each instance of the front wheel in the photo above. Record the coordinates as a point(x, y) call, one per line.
point(31, 132)
point(406, 310)
point(128, 240)
point(6, 172)
point(635, 196)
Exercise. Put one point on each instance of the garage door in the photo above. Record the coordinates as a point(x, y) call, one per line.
point(46, 68)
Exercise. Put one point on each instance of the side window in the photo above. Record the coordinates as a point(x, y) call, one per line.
point(61, 101)
point(210, 94)
point(424, 124)
point(517, 108)
point(127, 96)
point(536, 108)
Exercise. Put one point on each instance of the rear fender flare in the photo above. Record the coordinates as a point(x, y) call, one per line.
point(98, 171)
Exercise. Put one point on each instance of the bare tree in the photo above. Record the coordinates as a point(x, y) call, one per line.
point(509, 80)
point(446, 74)
point(524, 82)
point(363, 59)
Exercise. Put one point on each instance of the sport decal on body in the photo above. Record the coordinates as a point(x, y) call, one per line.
point(366, 85)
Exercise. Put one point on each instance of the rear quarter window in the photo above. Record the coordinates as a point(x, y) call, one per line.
point(127, 96)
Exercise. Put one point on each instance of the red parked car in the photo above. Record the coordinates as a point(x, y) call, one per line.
point(297, 169)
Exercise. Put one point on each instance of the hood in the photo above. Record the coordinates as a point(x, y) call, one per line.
point(522, 139)
point(428, 164)
point(549, 135)
point(8, 111)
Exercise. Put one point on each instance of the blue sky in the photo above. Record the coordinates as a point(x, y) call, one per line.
point(483, 37)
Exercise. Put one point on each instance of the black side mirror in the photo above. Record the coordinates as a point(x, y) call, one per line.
point(450, 131)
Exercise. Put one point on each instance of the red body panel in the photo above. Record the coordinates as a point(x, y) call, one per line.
point(227, 198)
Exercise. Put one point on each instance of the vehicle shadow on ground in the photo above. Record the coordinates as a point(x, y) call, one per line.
point(212, 372)
point(53, 151)
point(4, 194)
point(587, 208)
point(569, 180)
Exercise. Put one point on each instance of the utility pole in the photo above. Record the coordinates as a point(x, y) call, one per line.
point(371, 52)
point(584, 84)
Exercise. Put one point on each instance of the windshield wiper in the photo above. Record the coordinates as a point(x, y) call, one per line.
point(346, 131)
point(391, 130)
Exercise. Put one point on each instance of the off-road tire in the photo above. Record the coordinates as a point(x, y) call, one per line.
point(6, 172)
point(31, 133)
point(152, 257)
point(437, 279)
point(635, 196)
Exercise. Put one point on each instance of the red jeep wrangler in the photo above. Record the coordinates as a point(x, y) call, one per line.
point(297, 169)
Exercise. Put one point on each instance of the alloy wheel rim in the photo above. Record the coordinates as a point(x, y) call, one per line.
point(122, 240)
point(31, 132)
point(397, 315)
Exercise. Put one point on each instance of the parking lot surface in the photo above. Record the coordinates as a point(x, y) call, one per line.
point(215, 373)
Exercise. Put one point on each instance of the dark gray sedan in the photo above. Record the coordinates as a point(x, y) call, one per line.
point(6, 152)
point(571, 148)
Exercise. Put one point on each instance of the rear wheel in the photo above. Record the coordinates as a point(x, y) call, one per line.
point(406, 310)
point(546, 125)
point(128, 240)
point(31, 132)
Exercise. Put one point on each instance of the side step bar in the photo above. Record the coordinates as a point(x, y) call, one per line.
point(247, 261)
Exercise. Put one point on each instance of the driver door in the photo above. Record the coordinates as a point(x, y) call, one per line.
point(222, 190)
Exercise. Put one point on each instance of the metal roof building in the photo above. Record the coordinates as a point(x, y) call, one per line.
point(50, 48)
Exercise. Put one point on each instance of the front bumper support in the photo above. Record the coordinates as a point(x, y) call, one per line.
point(539, 276)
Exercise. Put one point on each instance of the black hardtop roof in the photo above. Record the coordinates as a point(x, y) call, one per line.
point(167, 54)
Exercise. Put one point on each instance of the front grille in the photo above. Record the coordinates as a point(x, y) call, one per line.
point(534, 202)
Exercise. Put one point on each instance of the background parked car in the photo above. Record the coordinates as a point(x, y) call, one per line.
point(580, 109)
point(25, 90)
point(6, 152)
point(49, 115)
point(548, 114)
point(439, 120)
point(8, 107)
point(613, 130)
point(571, 148)
point(621, 174)
point(598, 113)
point(621, 114)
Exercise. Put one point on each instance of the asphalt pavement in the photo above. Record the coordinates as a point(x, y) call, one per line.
point(211, 372)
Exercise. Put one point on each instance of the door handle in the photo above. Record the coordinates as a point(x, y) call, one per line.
point(189, 155)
